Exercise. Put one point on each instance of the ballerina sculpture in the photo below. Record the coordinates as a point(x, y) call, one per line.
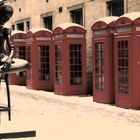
point(8, 64)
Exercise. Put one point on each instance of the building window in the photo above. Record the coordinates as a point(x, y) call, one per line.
point(58, 65)
point(115, 7)
point(60, 9)
point(23, 25)
point(75, 64)
point(19, 10)
point(99, 66)
point(123, 67)
point(20, 26)
point(47, 22)
point(44, 63)
point(77, 16)
point(27, 25)
point(13, 27)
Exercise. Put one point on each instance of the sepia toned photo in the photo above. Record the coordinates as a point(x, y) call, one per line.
point(69, 70)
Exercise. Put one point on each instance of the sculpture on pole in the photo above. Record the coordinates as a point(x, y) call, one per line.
point(6, 12)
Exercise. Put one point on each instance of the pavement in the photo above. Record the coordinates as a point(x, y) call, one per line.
point(56, 117)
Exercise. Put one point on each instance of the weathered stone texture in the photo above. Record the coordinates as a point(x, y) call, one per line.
point(93, 10)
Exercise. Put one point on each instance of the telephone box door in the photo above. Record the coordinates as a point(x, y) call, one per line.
point(123, 66)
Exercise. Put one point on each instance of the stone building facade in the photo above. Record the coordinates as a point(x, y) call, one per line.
point(38, 13)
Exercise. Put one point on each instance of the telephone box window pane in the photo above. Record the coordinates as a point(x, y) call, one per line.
point(123, 67)
point(28, 57)
point(44, 63)
point(58, 61)
point(99, 66)
point(75, 64)
point(20, 52)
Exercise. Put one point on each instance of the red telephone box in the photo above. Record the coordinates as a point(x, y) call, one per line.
point(40, 55)
point(70, 59)
point(102, 40)
point(127, 61)
point(19, 41)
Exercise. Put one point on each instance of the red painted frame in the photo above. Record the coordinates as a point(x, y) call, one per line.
point(73, 34)
point(35, 38)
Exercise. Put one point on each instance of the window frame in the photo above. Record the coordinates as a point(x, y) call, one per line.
point(123, 66)
point(58, 64)
point(44, 62)
point(99, 66)
point(112, 3)
point(76, 70)
point(46, 15)
point(24, 22)
point(77, 7)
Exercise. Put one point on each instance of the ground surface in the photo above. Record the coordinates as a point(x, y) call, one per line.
point(67, 118)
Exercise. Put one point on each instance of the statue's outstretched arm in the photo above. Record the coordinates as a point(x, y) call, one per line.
point(7, 34)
